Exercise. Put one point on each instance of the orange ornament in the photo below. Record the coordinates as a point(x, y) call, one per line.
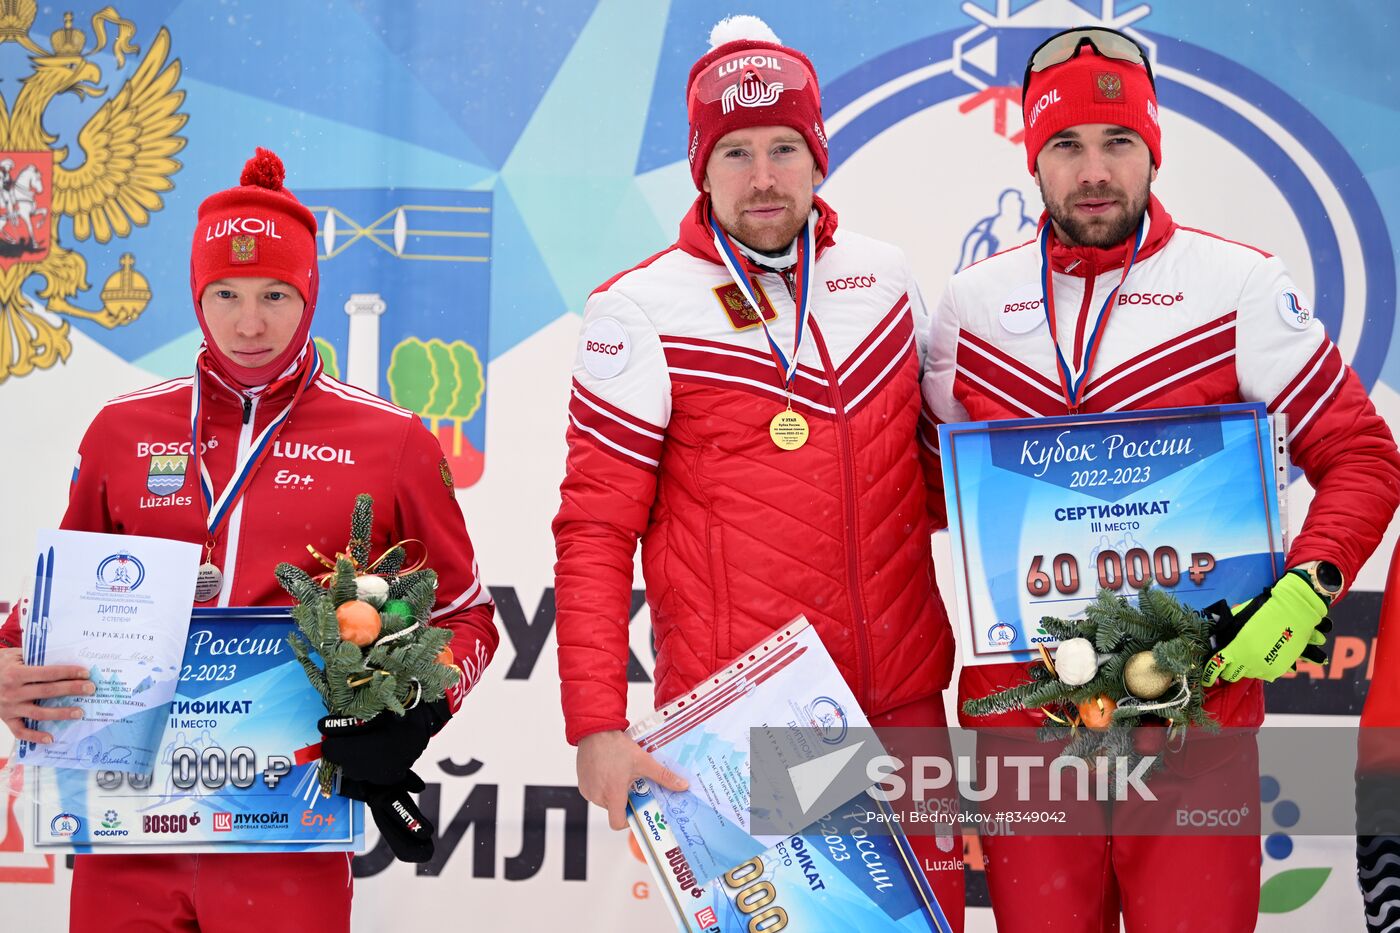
point(445, 656)
point(1097, 713)
point(358, 622)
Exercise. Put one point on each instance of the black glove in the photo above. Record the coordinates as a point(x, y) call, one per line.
point(409, 833)
point(383, 749)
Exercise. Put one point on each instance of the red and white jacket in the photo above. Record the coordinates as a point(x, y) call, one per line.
point(1200, 320)
point(339, 441)
point(674, 387)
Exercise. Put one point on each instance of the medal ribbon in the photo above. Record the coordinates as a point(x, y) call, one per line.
point(1069, 385)
point(217, 510)
point(787, 367)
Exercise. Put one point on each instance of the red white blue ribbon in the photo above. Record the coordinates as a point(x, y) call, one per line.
point(1071, 386)
point(787, 366)
point(217, 509)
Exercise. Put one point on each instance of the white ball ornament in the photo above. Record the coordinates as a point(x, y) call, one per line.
point(1076, 662)
point(372, 589)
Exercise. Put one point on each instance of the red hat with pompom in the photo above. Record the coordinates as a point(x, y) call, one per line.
point(749, 78)
point(257, 230)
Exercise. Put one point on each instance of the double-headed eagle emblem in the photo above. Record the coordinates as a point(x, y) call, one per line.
point(126, 160)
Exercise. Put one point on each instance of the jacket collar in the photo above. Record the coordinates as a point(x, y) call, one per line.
point(697, 239)
point(1085, 260)
point(220, 386)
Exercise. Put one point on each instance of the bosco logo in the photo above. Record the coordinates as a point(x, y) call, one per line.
point(1023, 310)
point(850, 281)
point(605, 348)
point(611, 349)
point(1161, 300)
point(167, 823)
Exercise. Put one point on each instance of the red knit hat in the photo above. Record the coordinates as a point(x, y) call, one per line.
point(748, 78)
point(257, 230)
point(1090, 88)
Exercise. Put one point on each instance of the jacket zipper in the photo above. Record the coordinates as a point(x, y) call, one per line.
point(859, 615)
point(235, 521)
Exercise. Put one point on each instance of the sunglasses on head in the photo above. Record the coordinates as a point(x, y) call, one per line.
point(1063, 46)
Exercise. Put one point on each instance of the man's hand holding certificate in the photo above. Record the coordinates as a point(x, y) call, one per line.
point(774, 828)
point(116, 606)
point(22, 686)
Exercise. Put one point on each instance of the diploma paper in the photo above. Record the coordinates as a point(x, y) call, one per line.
point(719, 878)
point(118, 605)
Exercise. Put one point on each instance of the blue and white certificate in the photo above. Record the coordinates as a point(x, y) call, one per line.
point(1045, 512)
point(118, 605)
point(236, 764)
point(717, 877)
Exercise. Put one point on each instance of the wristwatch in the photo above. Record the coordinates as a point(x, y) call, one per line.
point(1323, 576)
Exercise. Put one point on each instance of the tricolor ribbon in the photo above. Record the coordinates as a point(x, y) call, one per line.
point(787, 366)
point(1071, 386)
point(217, 509)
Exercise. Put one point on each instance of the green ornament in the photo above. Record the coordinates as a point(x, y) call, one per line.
point(400, 608)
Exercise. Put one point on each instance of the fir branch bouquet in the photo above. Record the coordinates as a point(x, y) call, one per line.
point(1119, 666)
point(369, 623)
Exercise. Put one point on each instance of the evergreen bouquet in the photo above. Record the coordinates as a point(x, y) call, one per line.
point(369, 624)
point(1115, 669)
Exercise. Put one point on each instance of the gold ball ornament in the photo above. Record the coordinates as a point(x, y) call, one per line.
point(1144, 679)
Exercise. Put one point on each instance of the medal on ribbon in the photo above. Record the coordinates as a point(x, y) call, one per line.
point(789, 429)
point(216, 510)
point(1070, 386)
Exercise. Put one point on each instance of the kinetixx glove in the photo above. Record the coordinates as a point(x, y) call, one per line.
point(383, 749)
point(1286, 622)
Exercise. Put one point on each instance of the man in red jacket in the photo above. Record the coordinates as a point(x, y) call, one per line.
point(689, 365)
point(275, 452)
point(1122, 309)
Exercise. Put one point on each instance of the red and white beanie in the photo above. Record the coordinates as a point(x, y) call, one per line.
point(257, 230)
point(1090, 88)
point(749, 78)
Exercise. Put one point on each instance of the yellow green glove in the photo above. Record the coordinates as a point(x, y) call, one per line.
point(1286, 622)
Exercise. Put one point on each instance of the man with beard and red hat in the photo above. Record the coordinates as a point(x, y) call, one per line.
point(761, 318)
point(284, 449)
point(1120, 308)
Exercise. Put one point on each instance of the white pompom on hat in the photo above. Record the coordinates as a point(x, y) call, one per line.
point(741, 27)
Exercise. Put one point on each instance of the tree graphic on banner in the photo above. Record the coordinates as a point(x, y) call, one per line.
point(444, 383)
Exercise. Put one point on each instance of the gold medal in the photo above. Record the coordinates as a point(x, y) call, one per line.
point(209, 582)
point(788, 429)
